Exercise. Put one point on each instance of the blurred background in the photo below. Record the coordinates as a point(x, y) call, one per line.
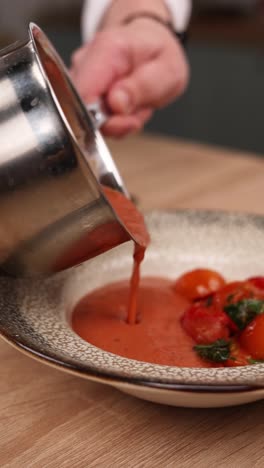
point(225, 100)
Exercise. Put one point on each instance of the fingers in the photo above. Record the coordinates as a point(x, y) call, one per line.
point(96, 66)
point(153, 84)
point(121, 125)
point(134, 70)
point(78, 56)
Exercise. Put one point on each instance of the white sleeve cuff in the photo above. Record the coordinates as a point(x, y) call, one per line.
point(94, 11)
point(180, 12)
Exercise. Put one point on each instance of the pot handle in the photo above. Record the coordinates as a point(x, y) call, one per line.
point(98, 113)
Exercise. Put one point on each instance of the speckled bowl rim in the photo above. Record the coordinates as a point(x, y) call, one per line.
point(227, 379)
point(109, 379)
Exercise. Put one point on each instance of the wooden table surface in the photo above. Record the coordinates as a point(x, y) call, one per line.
point(52, 420)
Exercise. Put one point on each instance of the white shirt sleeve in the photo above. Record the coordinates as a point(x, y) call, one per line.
point(94, 10)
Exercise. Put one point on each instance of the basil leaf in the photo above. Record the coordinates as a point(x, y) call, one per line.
point(219, 351)
point(256, 361)
point(244, 311)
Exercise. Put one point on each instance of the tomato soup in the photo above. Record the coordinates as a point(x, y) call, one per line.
point(197, 320)
point(156, 336)
point(136, 319)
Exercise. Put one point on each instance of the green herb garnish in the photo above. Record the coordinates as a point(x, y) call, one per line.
point(219, 351)
point(244, 311)
point(256, 361)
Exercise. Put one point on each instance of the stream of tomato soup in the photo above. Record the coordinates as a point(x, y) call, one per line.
point(134, 222)
point(136, 319)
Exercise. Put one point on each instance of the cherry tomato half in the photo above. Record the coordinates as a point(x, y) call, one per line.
point(236, 291)
point(239, 357)
point(257, 281)
point(205, 324)
point(252, 338)
point(199, 283)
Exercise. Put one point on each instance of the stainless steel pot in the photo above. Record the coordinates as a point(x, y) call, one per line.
point(53, 161)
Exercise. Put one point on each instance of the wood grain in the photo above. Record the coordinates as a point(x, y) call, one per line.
point(53, 420)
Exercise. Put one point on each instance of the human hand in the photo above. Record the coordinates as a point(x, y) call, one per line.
point(136, 68)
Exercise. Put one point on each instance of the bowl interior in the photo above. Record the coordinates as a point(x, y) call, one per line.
point(35, 314)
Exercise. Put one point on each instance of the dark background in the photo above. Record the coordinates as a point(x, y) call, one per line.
point(224, 102)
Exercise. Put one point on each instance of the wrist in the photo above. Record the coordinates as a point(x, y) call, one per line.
point(143, 16)
point(121, 9)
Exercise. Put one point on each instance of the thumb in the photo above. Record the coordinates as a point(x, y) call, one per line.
point(98, 65)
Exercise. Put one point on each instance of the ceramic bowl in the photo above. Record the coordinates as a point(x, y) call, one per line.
point(35, 315)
